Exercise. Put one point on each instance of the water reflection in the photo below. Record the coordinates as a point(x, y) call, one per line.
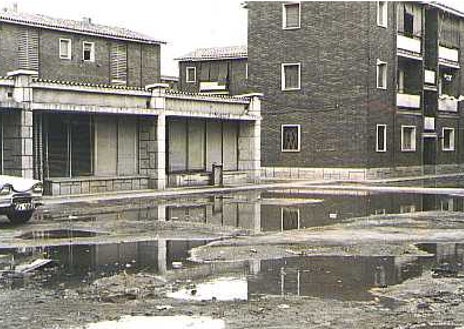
point(278, 210)
point(77, 263)
point(335, 277)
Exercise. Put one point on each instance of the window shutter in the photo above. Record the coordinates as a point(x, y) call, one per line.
point(28, 49)
point(223, 72)
point(118, 64)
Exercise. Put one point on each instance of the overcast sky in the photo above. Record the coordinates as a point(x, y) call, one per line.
point(183, 24)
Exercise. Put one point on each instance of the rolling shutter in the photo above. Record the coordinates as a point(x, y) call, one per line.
point(28, 49)
point(118, 64)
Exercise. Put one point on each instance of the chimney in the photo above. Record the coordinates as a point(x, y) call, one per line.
point(87, 20)
point(15, 7)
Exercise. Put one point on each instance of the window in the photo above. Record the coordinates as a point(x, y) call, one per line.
point(289, 218)
point(291, 76)
point(290, 138)
point(382, 13)
point(381, 75)
point(65, 48)
point(448, 139)
point(291, 15)
point(191, 74)
point(408, 138)
point(408, 23)
point(88, 51)
point(381, 138)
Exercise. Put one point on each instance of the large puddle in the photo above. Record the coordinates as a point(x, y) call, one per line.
point(75, 264)
point(277, 210)
point(333, 277)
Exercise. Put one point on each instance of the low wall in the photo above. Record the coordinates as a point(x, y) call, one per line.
point(356, 174)
point(204, 179)
point(91, 185)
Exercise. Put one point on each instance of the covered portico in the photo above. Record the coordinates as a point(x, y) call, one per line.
point(84, 138)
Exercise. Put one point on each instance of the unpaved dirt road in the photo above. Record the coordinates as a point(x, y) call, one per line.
point(421, 301)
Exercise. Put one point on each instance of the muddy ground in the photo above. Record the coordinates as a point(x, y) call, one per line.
point(425, 301)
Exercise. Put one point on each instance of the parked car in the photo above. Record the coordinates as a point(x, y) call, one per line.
point(19, 197)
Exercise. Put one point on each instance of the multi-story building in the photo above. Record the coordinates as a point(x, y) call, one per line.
point(220, 70)
point(82, 107)
point(358, 89)
point(63, 49)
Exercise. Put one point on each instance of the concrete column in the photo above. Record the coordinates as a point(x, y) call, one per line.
point(23, 95)
point(157, 170)
point(162, 256)
point(160, 170)
point(249, 140)
point(161, 212)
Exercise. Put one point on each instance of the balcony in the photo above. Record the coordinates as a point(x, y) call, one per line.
point(409, 47)
point(447, 103)
point(448, 57)
point(408, 101)
point(212, 87)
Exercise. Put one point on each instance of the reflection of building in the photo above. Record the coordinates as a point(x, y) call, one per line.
point(266, 211)
point(337, 277)
point(81, 259)
point(82, 107)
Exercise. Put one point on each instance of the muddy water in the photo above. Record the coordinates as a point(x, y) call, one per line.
point(76, 263)
point(335, 277)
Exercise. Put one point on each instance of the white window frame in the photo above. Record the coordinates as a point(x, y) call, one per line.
point(283, 65)
point(187, 74)
point(413, 139)
point(246, 71)
point(92, 51)
point(68, 55)
point(384, 149)
point(451, 142)
point(282, 127)
point(382, 15)
point(384, 78)
point(284, 15)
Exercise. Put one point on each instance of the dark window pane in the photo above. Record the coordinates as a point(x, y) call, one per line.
point(292, 15)
point(380, 138)
point(290, 138)
point(291, 78)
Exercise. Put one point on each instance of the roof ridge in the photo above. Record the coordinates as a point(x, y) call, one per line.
point(72, 25)
point(224, 52)
point(87, 84)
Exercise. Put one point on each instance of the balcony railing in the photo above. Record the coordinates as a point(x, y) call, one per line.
point(407, 45)
point(448, 56)
point(447, 103)
point(408, 101)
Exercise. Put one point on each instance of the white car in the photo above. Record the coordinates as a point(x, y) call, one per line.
point(19, 197)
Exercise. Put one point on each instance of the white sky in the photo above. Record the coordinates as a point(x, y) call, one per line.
point(184, 24)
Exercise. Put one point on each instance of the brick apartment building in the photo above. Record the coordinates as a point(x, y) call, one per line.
point(82, 107)
point(220, 70)
point(371, 88)
point(354, 90)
